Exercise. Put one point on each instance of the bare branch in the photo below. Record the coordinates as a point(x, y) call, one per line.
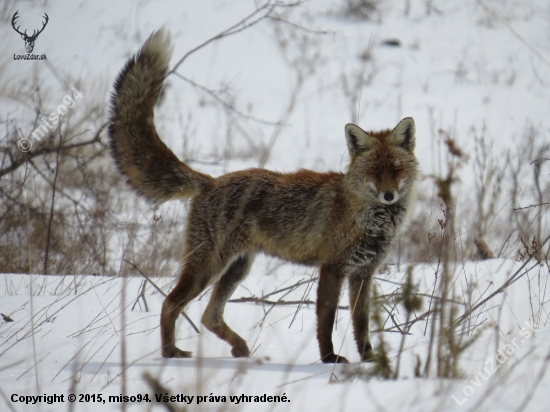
point(277, 18)
point(252, 19)
point(515, 33)
point(512, 279)
point(263, 301)
point(223, 102)
point(282, 122)
point(53, 201)
point(46, 150)
point(527, 207)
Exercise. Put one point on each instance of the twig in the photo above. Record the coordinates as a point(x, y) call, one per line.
point(535, 385)
point(263, 301)
point(163, 294)
point(512, 279)
point(400, 351)
point(362, 80)
point(53, 202)
point(105, 310)
point(277, 18)
point(33, 325)
point(282, 122)
point(157, 387)
point(527, 207)
point(394, 321)
point(11, 365)
point(514, 32)
point(103, 363)
point(223, 102)
point(70, 360)
point(260, 322)
point(236, 28)
point(300, 283)
point(123, 352)
point(302, 302)
point(142, 296)
point(85, 362)
point(44, 357)
point(346, 331)
point(46, 150)
point(126, 367)
point(408, 325)
point(58, 190)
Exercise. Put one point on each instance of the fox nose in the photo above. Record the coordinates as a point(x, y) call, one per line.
point(389, 197)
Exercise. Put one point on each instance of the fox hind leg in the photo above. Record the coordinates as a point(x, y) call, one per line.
point(193, 280)
point(213, 315)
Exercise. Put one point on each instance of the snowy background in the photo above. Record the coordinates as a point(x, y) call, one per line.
point(276, 94)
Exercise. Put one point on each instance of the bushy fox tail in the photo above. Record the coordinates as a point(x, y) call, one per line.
point(152, 169)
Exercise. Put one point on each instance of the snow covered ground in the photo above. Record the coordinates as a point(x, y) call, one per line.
point(464, 67)
point(78, 336)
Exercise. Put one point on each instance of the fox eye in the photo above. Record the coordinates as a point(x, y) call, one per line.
point(373, 175)
point(397, 172)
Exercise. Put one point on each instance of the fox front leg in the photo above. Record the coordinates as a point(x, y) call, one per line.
point(328, 292)
point(359, 305)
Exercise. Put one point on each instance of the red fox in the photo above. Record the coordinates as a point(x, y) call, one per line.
point(343, 223)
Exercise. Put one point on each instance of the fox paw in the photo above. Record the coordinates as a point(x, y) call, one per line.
point(334, 358)
point(174, 352)
point(240, 350)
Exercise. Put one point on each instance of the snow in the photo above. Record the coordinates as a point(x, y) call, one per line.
point(78, 335)
point(458, 68)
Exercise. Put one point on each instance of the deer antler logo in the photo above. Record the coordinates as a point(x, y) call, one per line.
point(29, 40)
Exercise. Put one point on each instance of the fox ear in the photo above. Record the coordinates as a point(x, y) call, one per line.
point(358, 140)
point(403, 135)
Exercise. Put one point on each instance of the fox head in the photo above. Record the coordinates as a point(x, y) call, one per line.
point(383, 166)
